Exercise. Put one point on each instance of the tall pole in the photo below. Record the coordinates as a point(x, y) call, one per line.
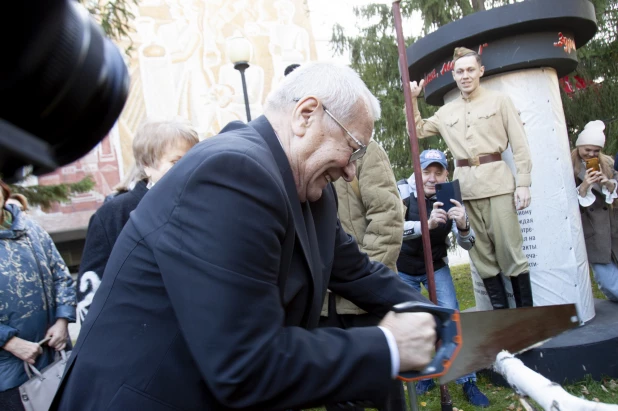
point(445, 398)
point(418, 176)
point(242, 66)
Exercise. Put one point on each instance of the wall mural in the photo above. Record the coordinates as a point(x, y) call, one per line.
point(179, 67)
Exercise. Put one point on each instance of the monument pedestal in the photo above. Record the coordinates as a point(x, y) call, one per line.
point(526, 47)
point(590, 349)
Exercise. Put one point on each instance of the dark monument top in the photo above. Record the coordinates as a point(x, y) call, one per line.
point(529, 34)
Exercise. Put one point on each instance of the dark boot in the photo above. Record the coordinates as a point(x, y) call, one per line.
point(522, 290)
point(496, 292)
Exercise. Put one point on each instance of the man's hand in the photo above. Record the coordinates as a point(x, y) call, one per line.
point(522, 197)
point(58, 334)
point(437, 216)
point(22, 349)
point(458, 214)
point(415, 334)
point(416, 88)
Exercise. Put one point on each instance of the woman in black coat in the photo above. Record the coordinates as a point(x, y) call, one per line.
point(157, 146)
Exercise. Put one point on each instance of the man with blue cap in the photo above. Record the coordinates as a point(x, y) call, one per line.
point(411, 263)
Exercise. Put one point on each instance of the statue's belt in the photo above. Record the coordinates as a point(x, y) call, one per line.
point(478, 160)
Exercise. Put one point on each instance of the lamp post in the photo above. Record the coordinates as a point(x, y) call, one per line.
point(239, 53)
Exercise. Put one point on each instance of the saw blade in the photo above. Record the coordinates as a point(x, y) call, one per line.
point(486, 333)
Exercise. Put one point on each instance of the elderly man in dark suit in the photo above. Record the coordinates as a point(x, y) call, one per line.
point(213, 291)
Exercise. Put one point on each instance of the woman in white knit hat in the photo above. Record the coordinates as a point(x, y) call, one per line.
point(598, 203)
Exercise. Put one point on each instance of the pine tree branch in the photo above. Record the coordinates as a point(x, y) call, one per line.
point(373, 54)
point(114, 17)
point(45, 196)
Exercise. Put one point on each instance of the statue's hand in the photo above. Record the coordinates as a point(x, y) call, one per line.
point(522, 197)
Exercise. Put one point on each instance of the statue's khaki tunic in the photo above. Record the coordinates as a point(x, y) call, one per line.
point(486, 122)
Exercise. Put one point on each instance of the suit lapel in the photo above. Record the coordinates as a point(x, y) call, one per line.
point(263, 127)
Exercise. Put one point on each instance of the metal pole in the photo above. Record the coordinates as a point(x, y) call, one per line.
point(405, 78)
point(412, 399)
point(242, 66)
point(445, 398)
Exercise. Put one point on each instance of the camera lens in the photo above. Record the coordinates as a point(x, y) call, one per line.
point(66, 86)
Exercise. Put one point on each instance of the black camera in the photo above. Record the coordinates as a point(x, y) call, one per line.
point(63, 85)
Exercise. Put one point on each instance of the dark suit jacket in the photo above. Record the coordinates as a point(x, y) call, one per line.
point(194, 313)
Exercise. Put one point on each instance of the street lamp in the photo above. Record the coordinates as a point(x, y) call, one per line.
point(239, 53)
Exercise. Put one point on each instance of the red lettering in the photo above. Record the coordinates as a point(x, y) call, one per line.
point(430, 77)
point(567, 44)
point(446, 67)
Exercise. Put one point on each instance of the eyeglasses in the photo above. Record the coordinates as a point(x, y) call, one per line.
point(359, 152)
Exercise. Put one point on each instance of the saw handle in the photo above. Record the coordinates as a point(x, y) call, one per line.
point(448, 328)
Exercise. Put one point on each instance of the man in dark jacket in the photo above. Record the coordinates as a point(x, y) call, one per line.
point(411, 262)
point(211, 297)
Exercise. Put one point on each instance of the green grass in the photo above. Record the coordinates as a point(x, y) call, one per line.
point(462, 280)
point(503, 398)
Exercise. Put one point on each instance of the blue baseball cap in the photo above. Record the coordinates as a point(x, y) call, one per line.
point(433, 156)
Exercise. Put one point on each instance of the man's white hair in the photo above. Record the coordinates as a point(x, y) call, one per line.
point(337, 86)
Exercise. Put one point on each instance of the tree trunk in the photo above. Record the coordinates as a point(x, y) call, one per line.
point(466, 7)
point(547, 394)
point(478, 5)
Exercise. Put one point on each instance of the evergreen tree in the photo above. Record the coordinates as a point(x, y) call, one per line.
point(373, 53)
point(113, 17)
point(45, 196)
point(597, 73)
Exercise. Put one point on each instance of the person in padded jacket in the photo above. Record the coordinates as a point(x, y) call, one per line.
point(37, 299)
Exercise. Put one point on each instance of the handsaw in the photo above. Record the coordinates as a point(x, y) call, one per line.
point(470, 341)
